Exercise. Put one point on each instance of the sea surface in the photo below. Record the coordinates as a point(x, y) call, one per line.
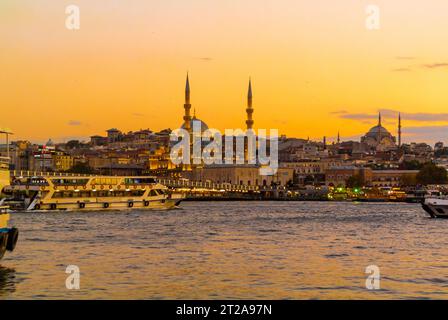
point(231, 250)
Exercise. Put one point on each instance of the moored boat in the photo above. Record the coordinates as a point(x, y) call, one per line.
point(8, 236)
point(82, 193)
point(436, 207)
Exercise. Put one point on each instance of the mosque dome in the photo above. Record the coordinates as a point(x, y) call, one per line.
point(374, 131)
point(379, 137)
point(197, 122)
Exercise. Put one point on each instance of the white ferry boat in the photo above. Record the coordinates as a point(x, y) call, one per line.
point(82, 193)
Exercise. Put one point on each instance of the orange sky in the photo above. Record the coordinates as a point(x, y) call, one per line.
point(315, 68)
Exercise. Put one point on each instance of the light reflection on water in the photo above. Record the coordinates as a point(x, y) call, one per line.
point(260, 250)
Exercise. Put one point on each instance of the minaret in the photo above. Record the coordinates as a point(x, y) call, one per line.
point(187, 106)
point(249, 109)
point(339, 138)
point(379, 128)
point(399, 130)
point(325, 143)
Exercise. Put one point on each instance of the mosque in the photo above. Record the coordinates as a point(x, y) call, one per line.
point(233, 173)
point(190, 121)
point(379, 139)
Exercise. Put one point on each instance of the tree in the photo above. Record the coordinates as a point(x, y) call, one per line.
point(72, 144)
point(408, 180)
point(431, 174)
point(441, 152)
point(411, 165)
point(81, 168)
point(355, 181)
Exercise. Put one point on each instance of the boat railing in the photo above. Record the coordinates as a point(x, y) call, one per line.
point(28, 173)
point(181, 183)
point(71, 184)
point(442, 197)
point(4, 162)
point(29, 183)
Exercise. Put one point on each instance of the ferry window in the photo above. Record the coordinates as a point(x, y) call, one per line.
point(106, 181)
point(67, 194)
point(33, 181)
point(70, 181)
point(85, 194)
point(160, 191)
point(139, 180)
point(137, 193)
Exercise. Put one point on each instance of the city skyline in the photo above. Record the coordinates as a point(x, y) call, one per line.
point(188, 116)
point(126, 67)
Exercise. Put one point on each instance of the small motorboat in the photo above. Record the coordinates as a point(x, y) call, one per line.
point(436, 207)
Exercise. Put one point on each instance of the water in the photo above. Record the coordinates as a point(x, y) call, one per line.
point(260, 250)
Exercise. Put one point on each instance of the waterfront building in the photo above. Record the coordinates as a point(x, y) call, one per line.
point(391, 178)
point(62, 161)
point(311, 172)
point(20, 153)
point(338, 176)
point(98, 140)
point(240, 175)
point(113, 135)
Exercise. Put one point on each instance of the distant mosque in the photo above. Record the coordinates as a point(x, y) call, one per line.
point(379, 139)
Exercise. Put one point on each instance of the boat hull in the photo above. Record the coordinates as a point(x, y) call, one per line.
point(8, 236)
point(163, 204)
point(3, 241)
point(436, 208)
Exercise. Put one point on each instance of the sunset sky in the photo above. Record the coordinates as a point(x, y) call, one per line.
point(315, 67)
